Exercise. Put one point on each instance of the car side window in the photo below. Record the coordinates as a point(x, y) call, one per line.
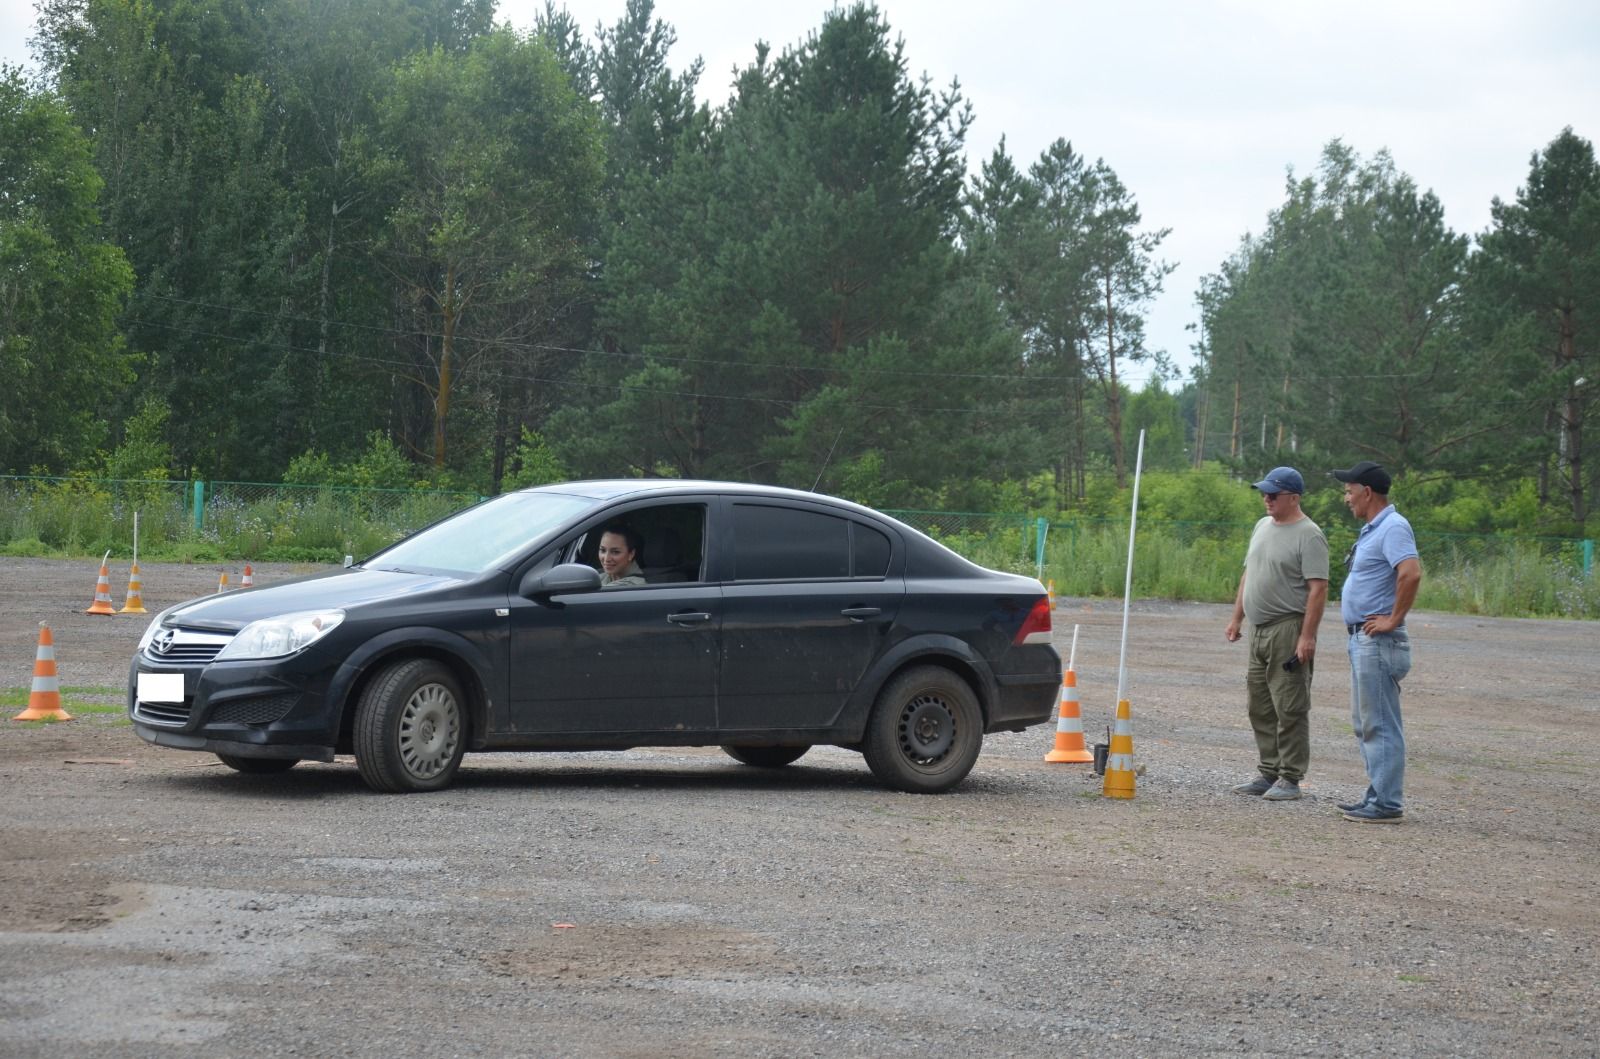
point(672, 540)
point(782, 543)
point(870, 549)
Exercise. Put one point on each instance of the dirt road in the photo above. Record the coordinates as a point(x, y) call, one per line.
point(668, 903)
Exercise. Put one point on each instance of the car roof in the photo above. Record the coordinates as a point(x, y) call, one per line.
point(612, 488)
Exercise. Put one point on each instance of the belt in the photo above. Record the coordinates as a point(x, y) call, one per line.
point(1351, 630)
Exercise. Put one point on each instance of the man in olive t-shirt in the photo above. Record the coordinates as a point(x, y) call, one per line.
point(1281, 593)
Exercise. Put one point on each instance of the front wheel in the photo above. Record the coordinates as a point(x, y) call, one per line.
point(925, 731)
point(410, 728)
point(258, 766)
point(766, 757)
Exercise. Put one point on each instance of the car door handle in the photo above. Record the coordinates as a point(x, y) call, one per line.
point(861, 613)
point(689, 617)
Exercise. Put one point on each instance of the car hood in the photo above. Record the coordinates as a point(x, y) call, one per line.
point(344, 589)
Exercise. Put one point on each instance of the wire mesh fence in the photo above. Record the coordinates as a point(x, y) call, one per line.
point(208, 521)
point(87, 515)
point(256, 517)
point(970, 532)
point(1466, 573)
point(212, 520)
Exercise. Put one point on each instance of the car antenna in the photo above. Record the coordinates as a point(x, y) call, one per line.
point(826, 458)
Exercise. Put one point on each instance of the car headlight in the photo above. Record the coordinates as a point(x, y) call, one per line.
point(283, 635)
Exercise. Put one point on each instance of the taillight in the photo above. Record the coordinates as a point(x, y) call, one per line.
point(1036, 627)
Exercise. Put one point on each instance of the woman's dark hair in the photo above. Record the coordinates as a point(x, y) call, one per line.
point(629, 534)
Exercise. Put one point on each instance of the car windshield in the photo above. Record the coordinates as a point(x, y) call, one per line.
point(484, 537)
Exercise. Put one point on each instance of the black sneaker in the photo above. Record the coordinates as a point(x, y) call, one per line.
point(1371, 814)
point(1258, 786)
point(1350, 807)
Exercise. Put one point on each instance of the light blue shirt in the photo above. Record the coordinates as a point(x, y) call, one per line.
point(1383, 544)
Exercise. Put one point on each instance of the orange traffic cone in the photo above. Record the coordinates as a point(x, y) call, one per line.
point(134, 604)
point(1050, 586)
point(44, 701)
point(102, 591)
point(247, 581)
point(1119, 782)
point(1069, 726)
point(222, 580)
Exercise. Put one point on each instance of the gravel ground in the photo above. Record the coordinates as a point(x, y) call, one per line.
point(672, 902)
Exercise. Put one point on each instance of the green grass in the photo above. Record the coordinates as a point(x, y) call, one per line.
point(1201, 562)
point(73, 700)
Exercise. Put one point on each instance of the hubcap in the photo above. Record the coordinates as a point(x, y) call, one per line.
point(927, 729)
point(430, 726)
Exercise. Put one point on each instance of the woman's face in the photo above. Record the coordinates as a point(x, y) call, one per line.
point(614, 554)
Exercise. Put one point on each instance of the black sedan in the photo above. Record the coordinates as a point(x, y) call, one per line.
point(609, 615)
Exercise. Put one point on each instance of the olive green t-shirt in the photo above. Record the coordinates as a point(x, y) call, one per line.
point(1280, 561)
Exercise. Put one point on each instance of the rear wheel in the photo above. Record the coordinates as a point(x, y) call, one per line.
point(410, 728)
point(258, 766)
point(766, 757)
point(925, 731)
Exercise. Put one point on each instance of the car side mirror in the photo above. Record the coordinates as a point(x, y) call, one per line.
point(568, 577)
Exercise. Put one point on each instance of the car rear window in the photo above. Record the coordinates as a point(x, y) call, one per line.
point(871, 551)
point(785, 543)
point(774, 543)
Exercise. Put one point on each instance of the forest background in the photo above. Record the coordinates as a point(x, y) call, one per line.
point(390, 243)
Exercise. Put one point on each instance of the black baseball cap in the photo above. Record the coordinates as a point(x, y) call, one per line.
point(1368, 474)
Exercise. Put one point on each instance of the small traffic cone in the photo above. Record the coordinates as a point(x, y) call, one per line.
point(134, 604)
point(222, 580)
point(1069, 726)
point(44, 701)
point(247, 581)
point(102, 591)
point(1050, 586)
point(1119, 780)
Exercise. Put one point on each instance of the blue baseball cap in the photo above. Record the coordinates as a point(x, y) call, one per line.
point(1282, 480)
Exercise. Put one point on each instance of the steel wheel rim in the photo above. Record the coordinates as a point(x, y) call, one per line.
point(927, 729)
point(430, 727)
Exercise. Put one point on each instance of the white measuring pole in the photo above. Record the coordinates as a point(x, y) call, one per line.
point(1073, 657)
point(1127, 588)
point(135, 538)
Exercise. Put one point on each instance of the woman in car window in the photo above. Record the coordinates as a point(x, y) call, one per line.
point(620, 544)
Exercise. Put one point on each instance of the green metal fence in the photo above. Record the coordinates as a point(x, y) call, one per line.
point(210, 520)
point(967, 531)
point(213, 520)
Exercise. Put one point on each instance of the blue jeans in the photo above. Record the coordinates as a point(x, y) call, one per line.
point(1377, 665)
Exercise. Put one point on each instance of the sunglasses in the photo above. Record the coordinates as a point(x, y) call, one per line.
point(1270, 496)
point(1349, 555)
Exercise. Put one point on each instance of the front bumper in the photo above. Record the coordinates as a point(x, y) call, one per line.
point(274, 708)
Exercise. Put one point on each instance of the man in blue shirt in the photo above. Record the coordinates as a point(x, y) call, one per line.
point(1381, 585)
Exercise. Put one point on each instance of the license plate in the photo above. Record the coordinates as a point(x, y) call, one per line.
point(160, 687)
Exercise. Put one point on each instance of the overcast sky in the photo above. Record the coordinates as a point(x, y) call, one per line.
point(1201, 105)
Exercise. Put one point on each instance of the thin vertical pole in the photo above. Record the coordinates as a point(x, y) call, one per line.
point(1127, 588)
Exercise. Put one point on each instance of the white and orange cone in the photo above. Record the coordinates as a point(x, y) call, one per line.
point(248, 580)
point(102, 590)
point(44, 701)
point(1119, 782)
point(222, 580)
point(134, 603)
point(1069, 725)
point(1050, 587)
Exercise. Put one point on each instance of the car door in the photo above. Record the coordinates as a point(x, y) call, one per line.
point(627, 659)
point(808, 605)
